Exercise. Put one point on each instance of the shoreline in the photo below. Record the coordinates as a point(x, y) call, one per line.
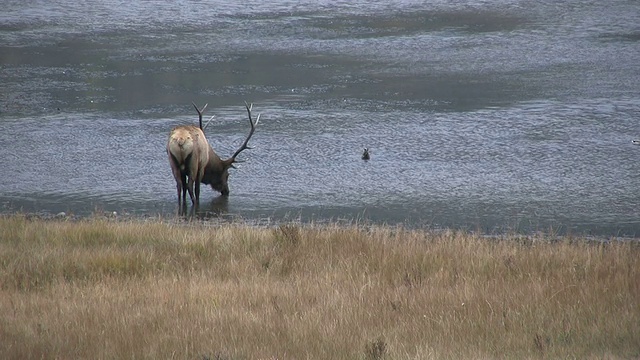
point(270, 223)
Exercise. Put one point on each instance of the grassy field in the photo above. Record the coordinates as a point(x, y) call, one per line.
point(107, 289)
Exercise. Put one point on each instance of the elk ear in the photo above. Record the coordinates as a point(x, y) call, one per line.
point(228, 163)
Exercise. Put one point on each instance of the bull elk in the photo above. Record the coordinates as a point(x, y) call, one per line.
point(193, 161)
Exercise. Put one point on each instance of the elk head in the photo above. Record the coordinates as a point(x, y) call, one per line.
point(216, 172)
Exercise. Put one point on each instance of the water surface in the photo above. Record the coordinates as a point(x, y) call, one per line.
point(496, 116)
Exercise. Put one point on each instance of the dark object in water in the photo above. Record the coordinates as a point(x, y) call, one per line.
point(365, 154)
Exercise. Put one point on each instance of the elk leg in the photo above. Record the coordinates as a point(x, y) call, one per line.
point(179, 188)
point(190, 189)
point(183, 182)
point(179, 176)
point(197, 191)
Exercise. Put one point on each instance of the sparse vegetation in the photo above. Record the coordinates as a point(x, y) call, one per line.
point(100, 288)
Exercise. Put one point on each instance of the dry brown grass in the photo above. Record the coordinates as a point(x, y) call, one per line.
point(111, 289)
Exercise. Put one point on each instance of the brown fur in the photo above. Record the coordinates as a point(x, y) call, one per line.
point(216, 173)
point(188, 152)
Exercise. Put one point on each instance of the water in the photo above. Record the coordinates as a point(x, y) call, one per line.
point(493, 116)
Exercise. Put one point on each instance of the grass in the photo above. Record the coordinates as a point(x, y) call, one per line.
point(104, 289)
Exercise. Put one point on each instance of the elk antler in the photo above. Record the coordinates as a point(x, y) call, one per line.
point(244, 146)
point(207, 124)
point(200, 111)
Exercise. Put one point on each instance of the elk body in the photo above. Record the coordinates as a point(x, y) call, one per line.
point(193, 161)
point(188, 152)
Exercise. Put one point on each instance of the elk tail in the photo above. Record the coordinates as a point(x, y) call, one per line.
point(181, 149)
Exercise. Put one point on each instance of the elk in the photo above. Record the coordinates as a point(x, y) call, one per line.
point(191, 157)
